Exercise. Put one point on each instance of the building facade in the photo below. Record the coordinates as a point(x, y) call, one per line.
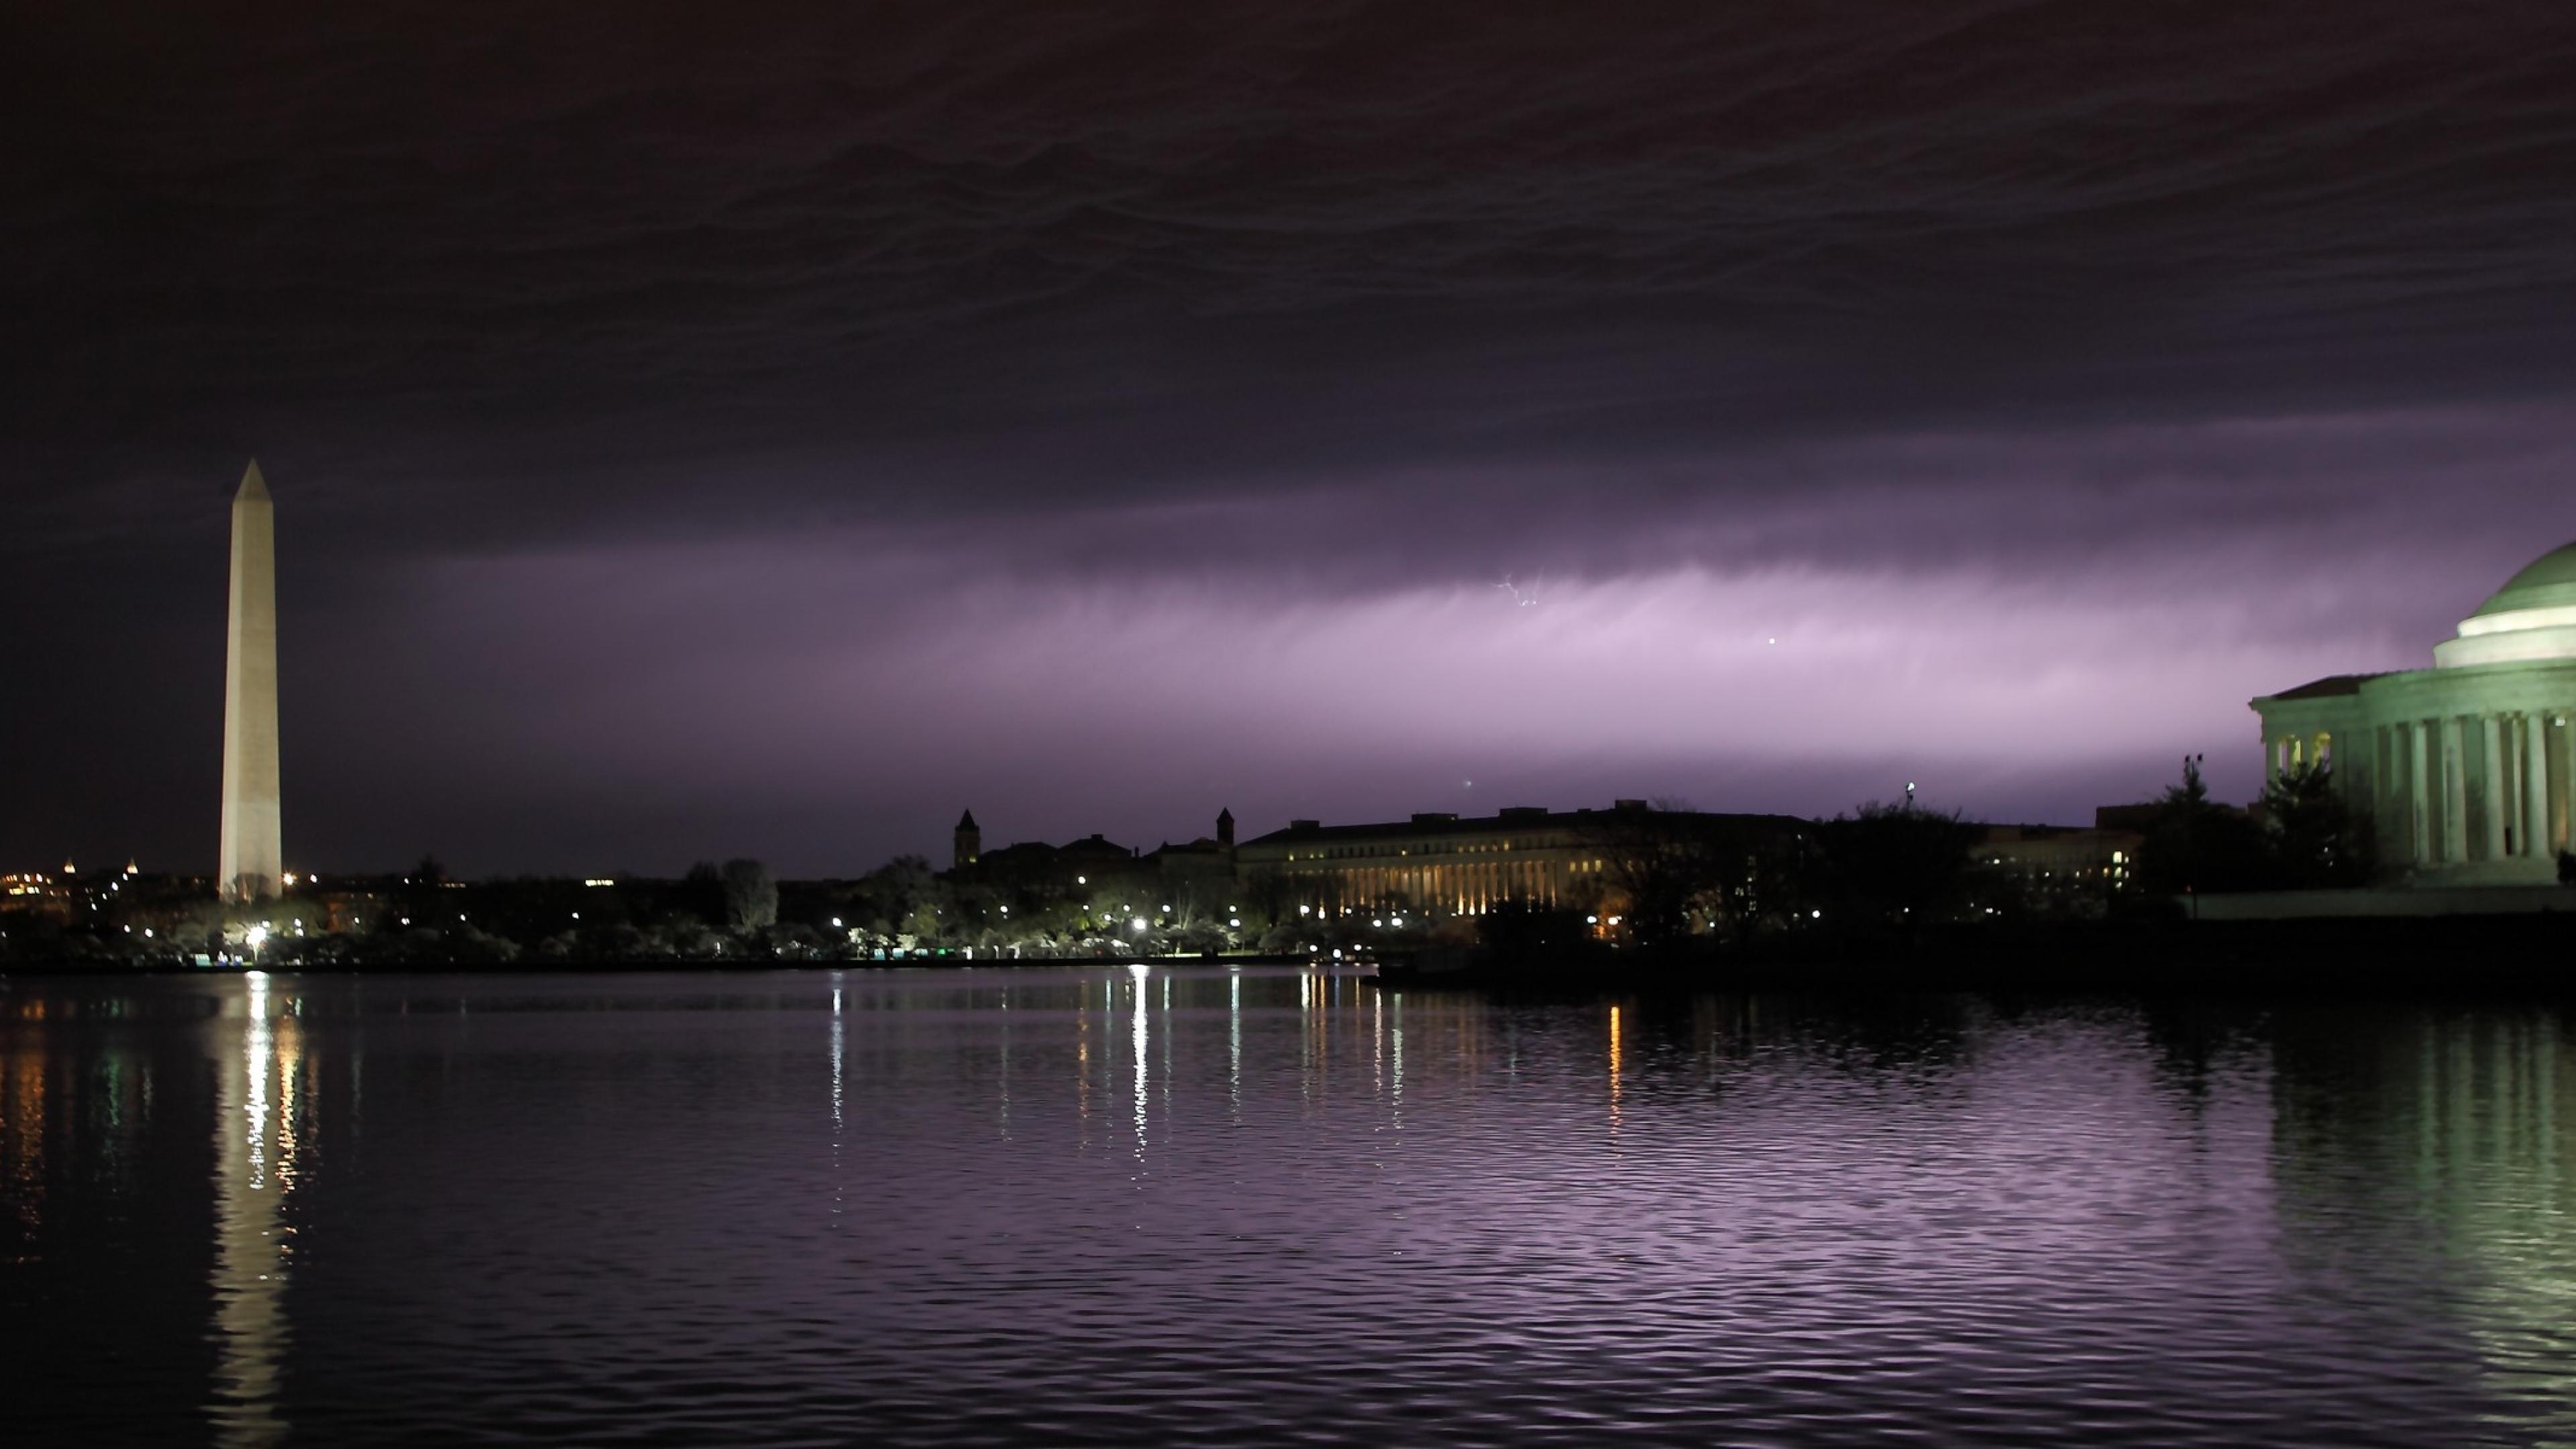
point(2467, 770)
point(2061, 868)
point(1442, 864)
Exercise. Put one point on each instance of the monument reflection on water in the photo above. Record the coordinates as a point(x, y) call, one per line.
point(260, 1102)
point(952, 1207)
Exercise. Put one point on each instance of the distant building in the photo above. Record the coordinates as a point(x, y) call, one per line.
point(1206, 860)
point(35, 894)
point(2066, 867)
point(2137, 819)
point(2467, 769)
point(1034, 865)
point(1445, 864)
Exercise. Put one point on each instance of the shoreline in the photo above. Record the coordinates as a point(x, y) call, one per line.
point(2529, 955)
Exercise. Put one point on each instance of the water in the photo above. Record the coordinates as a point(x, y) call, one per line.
point(1204, 1206)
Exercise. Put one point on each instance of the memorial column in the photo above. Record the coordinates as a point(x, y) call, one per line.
point(2566, 779)
point(2419, 804)
point(2455, 799)
point(2535, 784)
point(2491, 792)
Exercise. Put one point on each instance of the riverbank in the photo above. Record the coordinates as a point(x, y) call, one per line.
point(732, 964)
point(2325, 958)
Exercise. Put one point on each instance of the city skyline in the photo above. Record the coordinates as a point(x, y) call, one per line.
point(765, 442)
point(1267, 722)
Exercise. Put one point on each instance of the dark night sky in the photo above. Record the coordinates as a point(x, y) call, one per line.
point(735, 429)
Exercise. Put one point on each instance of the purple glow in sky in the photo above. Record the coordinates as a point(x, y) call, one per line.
point(768, 435)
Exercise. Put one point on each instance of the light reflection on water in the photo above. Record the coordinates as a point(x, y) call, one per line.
point(872, 1205)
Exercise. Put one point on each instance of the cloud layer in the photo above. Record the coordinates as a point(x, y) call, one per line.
point(829, 374)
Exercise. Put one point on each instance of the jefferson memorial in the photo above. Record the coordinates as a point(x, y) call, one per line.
point(2468, 769)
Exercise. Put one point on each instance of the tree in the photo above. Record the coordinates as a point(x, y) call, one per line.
point(1520, 933)
point(2196, 844)
point(2319, 841)
point(702, 892)
point(1899, 865)
point(1667, 870)
point(897, 903)
point(750, 895)
point(1781, 881)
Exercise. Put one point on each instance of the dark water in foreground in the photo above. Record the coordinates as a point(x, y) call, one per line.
point(1203, 1206)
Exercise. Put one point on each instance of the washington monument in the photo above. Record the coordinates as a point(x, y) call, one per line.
point(251, 865)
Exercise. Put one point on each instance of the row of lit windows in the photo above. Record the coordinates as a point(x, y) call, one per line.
point(1578, 867)
point(1380, 852)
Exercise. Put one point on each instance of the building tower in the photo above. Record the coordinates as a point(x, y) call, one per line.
point(250, 865)
point(970, 841)
point(1225, 830)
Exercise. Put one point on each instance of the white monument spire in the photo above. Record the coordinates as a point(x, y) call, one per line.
point(251, 863)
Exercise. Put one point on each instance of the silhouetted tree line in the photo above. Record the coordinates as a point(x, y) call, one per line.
point(1679, 884)
point(2307, 837)
point(1674, 882)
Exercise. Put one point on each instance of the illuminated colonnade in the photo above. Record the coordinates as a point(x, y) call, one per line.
point(2467, 769)
point(1444, 865)
point(1436, 863)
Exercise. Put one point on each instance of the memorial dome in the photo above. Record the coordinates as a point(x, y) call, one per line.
point(2544, 580)
point(2467, 770)
point(2532, 617)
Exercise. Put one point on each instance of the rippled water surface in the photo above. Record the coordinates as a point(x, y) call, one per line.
point(1206, 1206)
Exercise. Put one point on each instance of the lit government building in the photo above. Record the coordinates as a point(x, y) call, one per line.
point(1439, 863)
point(1454, 865)
point(2465, 768)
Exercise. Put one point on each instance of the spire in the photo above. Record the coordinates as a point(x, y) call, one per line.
point(249, 860)
point(966, 821)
